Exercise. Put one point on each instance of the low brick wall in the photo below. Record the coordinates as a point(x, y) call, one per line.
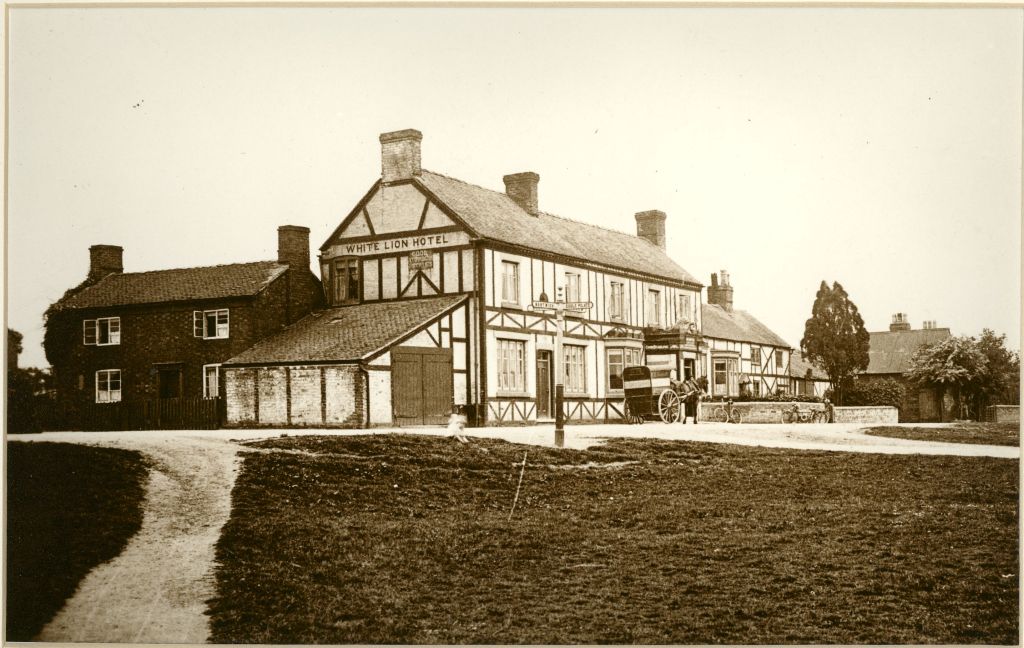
point(1002, 413)
point(866, 414)
point(759, 411)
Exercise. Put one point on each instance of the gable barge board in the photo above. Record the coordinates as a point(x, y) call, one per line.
point(356, 211)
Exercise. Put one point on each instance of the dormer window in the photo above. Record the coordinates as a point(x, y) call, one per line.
point(104, 331)
point(211, 324)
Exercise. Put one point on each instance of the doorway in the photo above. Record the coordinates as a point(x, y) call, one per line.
point(169, 382)
point(544, 388)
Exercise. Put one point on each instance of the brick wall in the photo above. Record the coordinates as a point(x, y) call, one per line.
point(1002, 413)
point(874, 414)
point(295, 396)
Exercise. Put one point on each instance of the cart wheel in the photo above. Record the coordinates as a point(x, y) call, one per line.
point(669, 406)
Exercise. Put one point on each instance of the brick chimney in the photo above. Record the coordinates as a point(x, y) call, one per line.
point(400, 155)
point(522, 188)
point(293, 246)
point(900, 322)
point(104, 260)
point(720, 293)
point(650, 225)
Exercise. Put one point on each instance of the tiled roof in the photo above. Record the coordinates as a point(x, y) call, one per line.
point(891, 351)
point(346, 333)
point(209, 282)
point(798, 367)
point(736, 325)
point(495, 216)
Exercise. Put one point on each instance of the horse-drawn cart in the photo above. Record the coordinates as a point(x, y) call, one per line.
point(650, 391)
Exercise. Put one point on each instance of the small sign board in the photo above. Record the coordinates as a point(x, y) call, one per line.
point(421, 260)
point(579, 305)
point(544, 305)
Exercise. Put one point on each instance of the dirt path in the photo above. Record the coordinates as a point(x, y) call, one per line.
point(156, 590)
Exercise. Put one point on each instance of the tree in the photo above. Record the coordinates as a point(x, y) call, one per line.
point(1000, 382)
point(955, 363)
point(835, 338)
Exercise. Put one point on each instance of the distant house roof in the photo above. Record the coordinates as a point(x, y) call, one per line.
point(737, 325)
point(346, 333)
point(892, 351)
point(495, 216)
point(209, 282)
point(798, 368)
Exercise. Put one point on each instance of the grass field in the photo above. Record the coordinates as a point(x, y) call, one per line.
point(406, 539)
point(1005, 434)
point(69, 508)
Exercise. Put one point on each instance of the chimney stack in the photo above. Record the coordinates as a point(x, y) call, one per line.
point(293, 246)
point(929, 324)
point(400, 155)
point(720, 294)
point(104, 260)
point(522, 188)
point(650, 225)
point(899, 322)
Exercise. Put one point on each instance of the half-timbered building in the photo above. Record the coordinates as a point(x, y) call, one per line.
point(436, 277)
point(742, 355)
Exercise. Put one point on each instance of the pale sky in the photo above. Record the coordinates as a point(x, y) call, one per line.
point(879, 148)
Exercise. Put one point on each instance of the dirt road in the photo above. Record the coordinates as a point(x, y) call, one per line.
point(155, 591)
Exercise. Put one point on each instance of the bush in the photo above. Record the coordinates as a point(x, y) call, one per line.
point(21, 403)
point(875, 392)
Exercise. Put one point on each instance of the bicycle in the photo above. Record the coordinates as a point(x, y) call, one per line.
point(797, 415)
point(725, 414)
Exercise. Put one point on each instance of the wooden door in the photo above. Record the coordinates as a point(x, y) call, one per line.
point(544, 384)
point(421, 385)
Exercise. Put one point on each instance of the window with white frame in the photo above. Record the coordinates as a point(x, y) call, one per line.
point(108, 386)
point(211, 324)
point(619, 359)
point(755, 358)
point(653, 308)
point(726, 377)
point(511, 365)
point(617, 302)
point(103, 331)
point(685, 307)
point(572, 286)
point(510, 282)
point(575, 377)
point(211, 381)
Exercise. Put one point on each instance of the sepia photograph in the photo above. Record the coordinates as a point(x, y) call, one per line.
point(501, 323)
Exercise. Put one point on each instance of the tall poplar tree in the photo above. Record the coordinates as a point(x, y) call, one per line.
point(835, 338)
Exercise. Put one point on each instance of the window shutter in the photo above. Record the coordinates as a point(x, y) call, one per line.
point(89, 332)
point(197, 323)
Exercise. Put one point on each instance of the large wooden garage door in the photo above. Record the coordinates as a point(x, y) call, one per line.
point(421, 385)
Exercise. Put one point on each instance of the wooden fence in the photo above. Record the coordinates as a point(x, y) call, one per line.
point(155, 414)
